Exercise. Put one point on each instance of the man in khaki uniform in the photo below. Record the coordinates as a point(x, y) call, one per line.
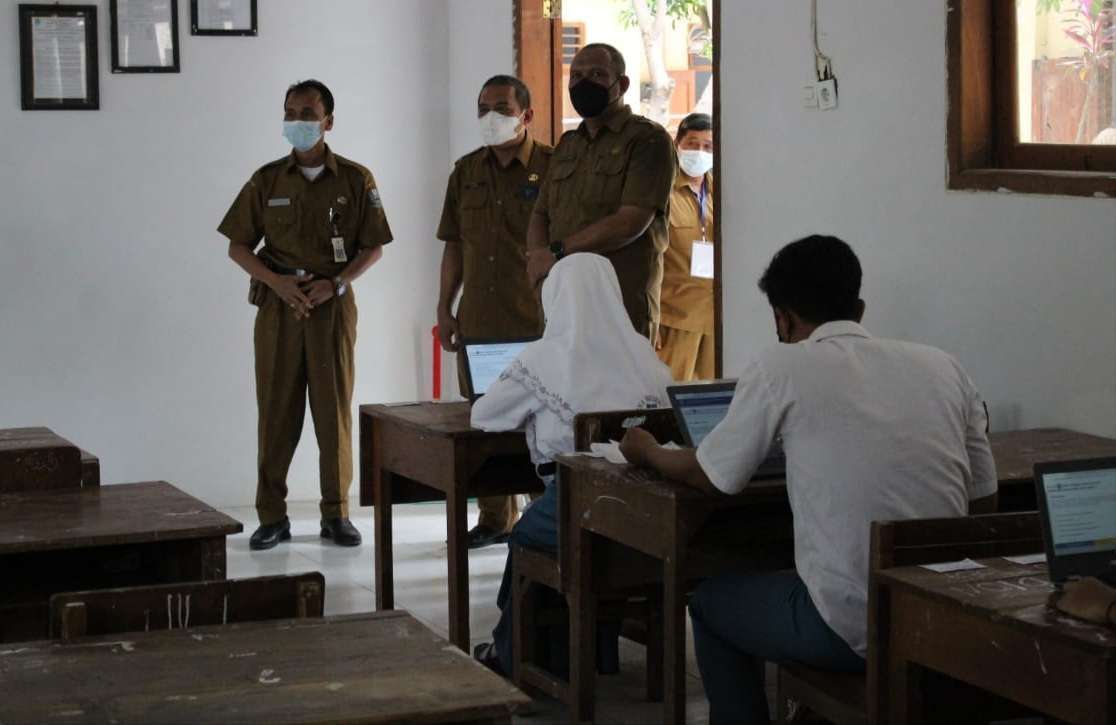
point(686, 338)
point(322, 225)
point(489, 199)
point(608, 187)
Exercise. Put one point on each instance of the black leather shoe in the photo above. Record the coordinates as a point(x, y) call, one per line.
point(480, 536)
point(269, 535)
point(485, 653)
point(341, 531)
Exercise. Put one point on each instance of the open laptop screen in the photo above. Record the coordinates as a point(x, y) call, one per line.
point(1081, 506)
point(702, 409)
point(487, 359)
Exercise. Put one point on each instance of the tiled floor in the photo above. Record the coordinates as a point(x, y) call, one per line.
point(420, 586)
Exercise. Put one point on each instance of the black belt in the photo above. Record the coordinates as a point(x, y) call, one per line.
point(547, 469)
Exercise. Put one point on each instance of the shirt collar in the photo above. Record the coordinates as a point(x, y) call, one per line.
point(330, 161)
point(614, 120)
point(837, 328)
point(523, 155)
point(681, 181)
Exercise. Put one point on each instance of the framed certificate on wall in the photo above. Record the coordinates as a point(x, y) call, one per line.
point(223, 17)
point(144, 36)
point(58, 58)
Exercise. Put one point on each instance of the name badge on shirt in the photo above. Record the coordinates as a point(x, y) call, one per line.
point(339, 249)
point(279, 201)
point(529, 192)
point(701, 260)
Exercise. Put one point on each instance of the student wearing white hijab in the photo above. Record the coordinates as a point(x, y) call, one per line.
point(590, 358)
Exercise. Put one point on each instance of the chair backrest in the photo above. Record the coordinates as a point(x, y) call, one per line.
point(38, 459)
point(611, 425)
point(186, 604)
point(927, 541)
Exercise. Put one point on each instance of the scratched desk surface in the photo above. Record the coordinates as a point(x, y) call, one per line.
point(381, 667)
point(119, 514)
point(1013, 594)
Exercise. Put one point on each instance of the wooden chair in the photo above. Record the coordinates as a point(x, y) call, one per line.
point(844, 698)
point(637, 607)
point(186, 604)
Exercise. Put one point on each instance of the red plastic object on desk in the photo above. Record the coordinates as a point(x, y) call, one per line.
point(436, 391)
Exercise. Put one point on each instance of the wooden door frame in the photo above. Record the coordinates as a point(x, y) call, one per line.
point(542, 72)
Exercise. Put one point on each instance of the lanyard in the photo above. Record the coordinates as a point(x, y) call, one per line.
point(701, 209)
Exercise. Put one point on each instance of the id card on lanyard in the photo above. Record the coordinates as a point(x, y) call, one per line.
point(701, 255)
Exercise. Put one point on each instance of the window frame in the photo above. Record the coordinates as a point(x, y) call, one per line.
point(984, 151)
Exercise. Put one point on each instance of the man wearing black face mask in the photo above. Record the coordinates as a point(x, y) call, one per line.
point(608, 186)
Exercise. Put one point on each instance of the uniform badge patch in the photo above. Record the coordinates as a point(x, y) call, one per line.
point(374, 199)
point(528, 192)
point(533, 178)
point(342, 200)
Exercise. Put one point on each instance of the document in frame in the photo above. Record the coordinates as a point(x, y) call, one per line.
point(58, 57)
point(224, 14)
point(146, 33)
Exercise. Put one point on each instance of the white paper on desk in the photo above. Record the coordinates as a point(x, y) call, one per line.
point(949, 566)
point(1026, 559)
point(611, 451)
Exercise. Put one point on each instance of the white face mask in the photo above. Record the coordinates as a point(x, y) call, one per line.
point(695, 163)
point(497, 129)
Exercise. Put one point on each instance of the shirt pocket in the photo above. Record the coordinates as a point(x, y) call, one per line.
point(474, 207)
point(278, 221)
point(561, 183)
point(606, 182)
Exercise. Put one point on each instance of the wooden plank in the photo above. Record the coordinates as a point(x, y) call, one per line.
point(366, 668)
point(37, 459)
point(1016, 452)
point(107, 515)
point(90, 470)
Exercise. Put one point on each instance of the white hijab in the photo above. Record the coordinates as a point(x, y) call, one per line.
point(590, 358)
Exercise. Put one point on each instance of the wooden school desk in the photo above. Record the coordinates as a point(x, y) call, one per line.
point(992, 628)
point(380, 667)
point(1017, 451)
point(428, 452)
point(693, 534)
point(98, 537)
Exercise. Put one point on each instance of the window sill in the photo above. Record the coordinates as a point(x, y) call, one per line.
point(1099, 185)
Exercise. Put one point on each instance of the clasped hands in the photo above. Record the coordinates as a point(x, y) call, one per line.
point(302, 293)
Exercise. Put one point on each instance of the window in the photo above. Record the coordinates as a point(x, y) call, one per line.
point(573, 37)
point(1032, 96)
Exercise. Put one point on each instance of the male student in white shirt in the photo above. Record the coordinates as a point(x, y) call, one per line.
point(873, 429)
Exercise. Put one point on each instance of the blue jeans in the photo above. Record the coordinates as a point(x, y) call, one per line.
point(742, 620)
point(537, 529)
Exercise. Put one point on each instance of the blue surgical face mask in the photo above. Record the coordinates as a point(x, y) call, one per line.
point(303, 135)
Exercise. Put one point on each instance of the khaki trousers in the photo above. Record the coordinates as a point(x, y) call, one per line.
point(498, 513)
point(689, 355)
point(294, 357)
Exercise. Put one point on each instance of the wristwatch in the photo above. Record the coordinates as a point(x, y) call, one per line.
point(558, 249)
point(339, 286)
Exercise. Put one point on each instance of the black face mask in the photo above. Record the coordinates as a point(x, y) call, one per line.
point(589, 99)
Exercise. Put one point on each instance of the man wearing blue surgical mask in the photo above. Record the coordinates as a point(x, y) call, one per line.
point(608, 188)
point(322, 225)
point(489, 199)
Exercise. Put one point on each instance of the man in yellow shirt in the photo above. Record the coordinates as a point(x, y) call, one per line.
point(686, 338)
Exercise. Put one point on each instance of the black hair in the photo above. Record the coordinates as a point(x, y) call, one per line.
point(614, 56)
point(817, 278)
point(694, 122)
point(312, 85)
point(522, 92)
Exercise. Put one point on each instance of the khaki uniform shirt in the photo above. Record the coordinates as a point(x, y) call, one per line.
point(486, 211)
point(631, 162)
point(687, 301)
point(291, 214)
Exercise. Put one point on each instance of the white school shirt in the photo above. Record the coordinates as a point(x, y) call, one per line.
point(873, 430)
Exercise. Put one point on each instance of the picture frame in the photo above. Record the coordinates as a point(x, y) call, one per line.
point(58, 57)
point(223, 17)
point(144, 36)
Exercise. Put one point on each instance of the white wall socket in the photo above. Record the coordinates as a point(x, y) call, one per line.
point(809, 97)
point(827, 94)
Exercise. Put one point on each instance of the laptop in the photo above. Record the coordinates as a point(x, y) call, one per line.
point(699, 407)
point(1077, 507)
point(485, 359)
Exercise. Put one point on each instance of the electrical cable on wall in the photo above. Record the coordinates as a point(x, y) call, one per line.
point(825, 86)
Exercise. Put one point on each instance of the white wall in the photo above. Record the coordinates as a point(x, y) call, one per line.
point(123, 324)
point(1021, 288)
